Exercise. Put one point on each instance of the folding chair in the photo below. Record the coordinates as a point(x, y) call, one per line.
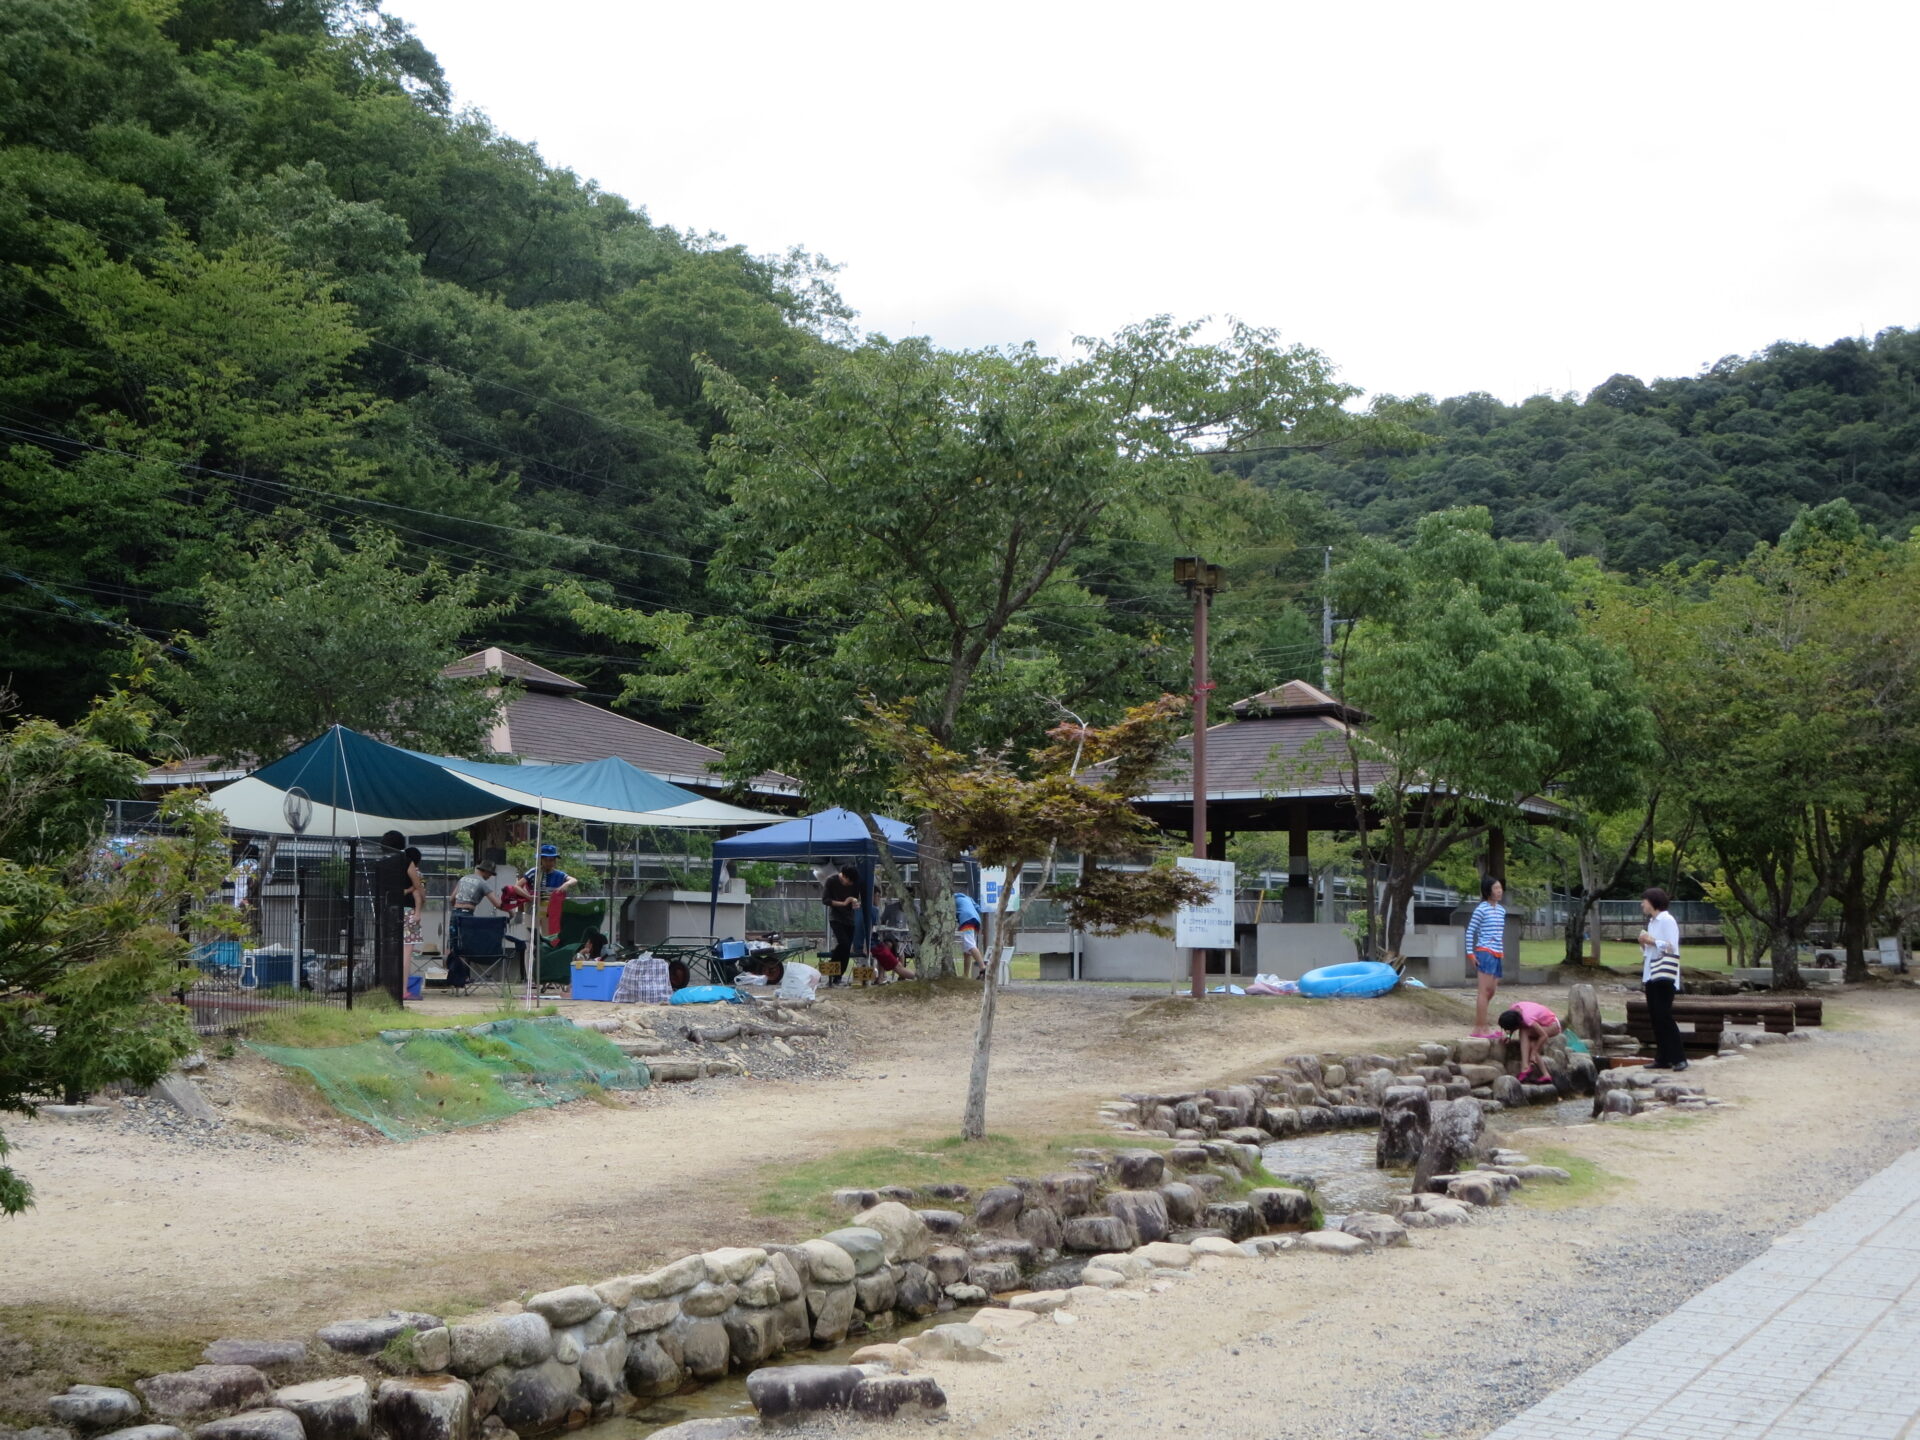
point(481, 941)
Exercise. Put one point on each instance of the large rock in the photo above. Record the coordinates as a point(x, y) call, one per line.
point(701, 1347)
point(1096, 1233)
point(339, 1409)
point(538, 1397)
point(1378, 1231)
point(731, 1266)
point(1282, 1209)
point(897, 1358)
point(874, 1293)
point(528, 1340)
point(1144, 1210)
point(370, 1337)
point(881, 1397)
point(948, 1264)
point(649, 1370)
point(796, 1325)
point(708, 1299)
point(1332, 1242)
point(1165, 1255)
point(960, 1342)
point(132, 1432)
point(1040, 1226)
point(785, 1392)
point(831, 1310)
point(1070, 1192)
point(867, 1246)
point(761, 1289)
point(668, 1280)
point(994, 1276)
point(1404, 1115)
point(265, 1424)
point(95, 1407)
point(918, 1293)
point(205, 1390)
point(727, 1427)
point(433, 1407)
point(644, 1315)
point(261, 1354)
point(432, 1350)
point(1236, 1219)
point(1020, 1252)
point(1453, 1140)
point(566, 1307)
point(827, 1263)
point(904, 1235)
point(942, 1224)
point(998, 1209)
point(601, 1368)
point(1583, 1014)
point(1139, 1169)
point(1182, 1200)
point(752, 1335)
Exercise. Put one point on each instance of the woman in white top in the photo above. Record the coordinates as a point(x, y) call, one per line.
point(1660, 977)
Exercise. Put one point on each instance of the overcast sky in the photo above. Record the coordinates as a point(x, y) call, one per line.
point(1442, 197)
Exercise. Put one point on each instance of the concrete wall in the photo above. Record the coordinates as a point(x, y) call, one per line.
point(675, 914)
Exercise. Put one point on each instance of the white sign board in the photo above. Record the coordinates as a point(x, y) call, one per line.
point(1207, 926)
point(1890, 951)
point(991, 879)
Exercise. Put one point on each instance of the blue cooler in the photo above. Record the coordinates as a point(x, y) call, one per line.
point(596, 979)
point(217, 955)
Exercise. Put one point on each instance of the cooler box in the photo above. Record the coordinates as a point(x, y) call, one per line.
point(273, 971)
point(596, 979)
point(217, 955)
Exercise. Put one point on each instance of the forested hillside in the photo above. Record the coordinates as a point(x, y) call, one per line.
point(259, 274)
point(1640, 474)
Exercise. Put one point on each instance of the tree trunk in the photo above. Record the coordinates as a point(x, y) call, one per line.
point(1399, 898)
point(1786, 960)
point(973, 1122)
point(934, 930)
point(1579, 906)
point(1854, 918)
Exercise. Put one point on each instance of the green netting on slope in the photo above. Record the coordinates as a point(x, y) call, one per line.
point(409, 1083)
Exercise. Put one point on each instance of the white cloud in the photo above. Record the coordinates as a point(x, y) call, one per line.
point(1505, 196)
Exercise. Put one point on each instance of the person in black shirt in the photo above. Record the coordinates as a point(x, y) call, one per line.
point(841, 896)
point(396, 879)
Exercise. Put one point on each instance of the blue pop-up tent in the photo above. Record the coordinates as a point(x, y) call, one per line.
point(830, 835)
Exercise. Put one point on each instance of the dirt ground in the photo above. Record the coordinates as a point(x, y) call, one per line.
point(277, 1238)
point(1440, 1339)
point(1464, 1328)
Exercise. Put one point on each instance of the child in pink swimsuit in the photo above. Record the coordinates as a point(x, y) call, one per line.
point(1535, 1025)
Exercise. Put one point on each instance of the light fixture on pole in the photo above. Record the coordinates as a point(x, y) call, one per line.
point(1202, 581)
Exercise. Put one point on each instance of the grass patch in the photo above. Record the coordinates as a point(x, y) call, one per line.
point(799, 1192)
point(321, 1027)
point(1590, 1183)
point(46, 1348)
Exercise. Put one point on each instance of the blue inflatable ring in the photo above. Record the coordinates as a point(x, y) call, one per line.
point(1363, 979)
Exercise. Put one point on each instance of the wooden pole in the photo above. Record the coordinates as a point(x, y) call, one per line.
point(1201, 596)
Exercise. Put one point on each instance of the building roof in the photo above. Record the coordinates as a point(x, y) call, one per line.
point(546, 723)
point(1285, 745)
point(495, 661)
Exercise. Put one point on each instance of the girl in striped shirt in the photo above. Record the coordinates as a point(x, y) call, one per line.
point(1486, 936)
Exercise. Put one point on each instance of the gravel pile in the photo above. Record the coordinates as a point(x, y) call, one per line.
point(800, 1057)
point(161, 1121)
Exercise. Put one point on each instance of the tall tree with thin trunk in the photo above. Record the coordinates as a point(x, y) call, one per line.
point(906, 525)
point(1019, 817)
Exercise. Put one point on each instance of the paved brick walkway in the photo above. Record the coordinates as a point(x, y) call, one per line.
point(1818, 1339)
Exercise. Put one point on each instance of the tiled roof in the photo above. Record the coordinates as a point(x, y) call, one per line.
point(548, 724)
point(495, 661)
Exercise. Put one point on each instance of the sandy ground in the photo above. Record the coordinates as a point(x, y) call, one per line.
point(1455, 1334)
point(281, 1237)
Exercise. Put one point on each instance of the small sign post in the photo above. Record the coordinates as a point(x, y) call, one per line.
point(1209, 925)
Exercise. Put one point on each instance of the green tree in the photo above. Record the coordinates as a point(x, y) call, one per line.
point(88, 948)
point(1788, 698)
point(1012, 819)
point(313, 634)
point(907, 525)
point(1482, 689)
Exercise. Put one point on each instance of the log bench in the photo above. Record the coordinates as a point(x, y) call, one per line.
point(1703, 1018)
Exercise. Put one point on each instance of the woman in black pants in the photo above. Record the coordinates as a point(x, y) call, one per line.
point(1660, 977)
point(841, 896)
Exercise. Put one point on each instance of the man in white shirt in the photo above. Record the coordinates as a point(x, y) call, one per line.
point(1660, 978)
point(790, 981)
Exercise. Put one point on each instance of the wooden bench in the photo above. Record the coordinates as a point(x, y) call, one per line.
point(1703, 1018)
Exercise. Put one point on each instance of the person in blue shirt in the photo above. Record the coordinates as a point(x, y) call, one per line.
point(556, 882)
point(966, 916)
point(1486, 944)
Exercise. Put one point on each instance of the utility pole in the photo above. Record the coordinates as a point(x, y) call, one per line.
point(1326, 621)
point(1201, 581)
